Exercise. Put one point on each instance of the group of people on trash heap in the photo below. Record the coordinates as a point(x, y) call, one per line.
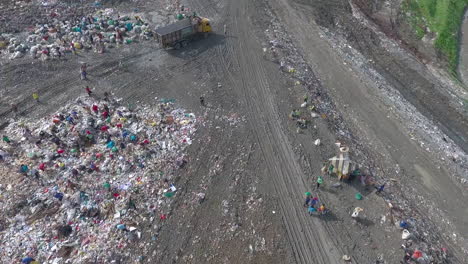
point(312, 204)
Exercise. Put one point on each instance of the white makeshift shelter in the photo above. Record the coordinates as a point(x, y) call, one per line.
point(342, 165)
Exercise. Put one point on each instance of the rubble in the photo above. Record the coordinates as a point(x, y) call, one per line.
point(82, 183)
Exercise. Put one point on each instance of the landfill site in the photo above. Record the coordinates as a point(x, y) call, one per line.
point(216, 131)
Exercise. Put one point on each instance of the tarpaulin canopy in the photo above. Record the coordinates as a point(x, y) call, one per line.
point(342, 165)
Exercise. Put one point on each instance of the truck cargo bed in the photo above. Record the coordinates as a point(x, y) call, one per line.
point(174, 27)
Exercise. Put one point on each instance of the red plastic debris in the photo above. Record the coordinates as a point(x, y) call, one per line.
point(417, 254)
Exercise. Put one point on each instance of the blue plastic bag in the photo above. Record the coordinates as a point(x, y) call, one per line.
point(59, 196)
point(111, 144)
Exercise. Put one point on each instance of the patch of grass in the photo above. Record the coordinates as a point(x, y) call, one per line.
point(420, 31)
point(415, 17)
point(444, 17)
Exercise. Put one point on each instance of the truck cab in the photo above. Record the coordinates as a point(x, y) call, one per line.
point(205, 25)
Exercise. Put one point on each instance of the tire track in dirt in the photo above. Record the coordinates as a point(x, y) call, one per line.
point(308, 244)
point(227, 54)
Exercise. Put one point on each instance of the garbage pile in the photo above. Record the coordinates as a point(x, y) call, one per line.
point(88, 181)
point(97, 32)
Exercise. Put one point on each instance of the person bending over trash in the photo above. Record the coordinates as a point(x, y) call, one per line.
point(314, 202)
point(88, 91)
point(322, 209)
point(307, 199)
point(312, 210)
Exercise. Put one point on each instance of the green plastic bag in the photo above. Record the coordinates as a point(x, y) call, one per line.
point(358, 196)
point(169, 194)
point(129, 26)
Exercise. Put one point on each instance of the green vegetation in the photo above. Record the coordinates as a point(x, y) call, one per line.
point(444, 17)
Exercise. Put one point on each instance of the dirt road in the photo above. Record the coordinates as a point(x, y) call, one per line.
point(251, 81)
point(257, 89)
point(248, 159)
point(261, 93)
point(367, 116)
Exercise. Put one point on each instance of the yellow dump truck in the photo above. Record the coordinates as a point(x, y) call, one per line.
point(180, 33)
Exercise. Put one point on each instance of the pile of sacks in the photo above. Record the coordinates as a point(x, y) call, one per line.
point(94, 32)
point(87, 182)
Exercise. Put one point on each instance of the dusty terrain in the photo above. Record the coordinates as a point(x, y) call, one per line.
point(404, 122)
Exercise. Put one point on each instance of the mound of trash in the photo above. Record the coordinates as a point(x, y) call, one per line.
point(77, 186)
point(66, 34)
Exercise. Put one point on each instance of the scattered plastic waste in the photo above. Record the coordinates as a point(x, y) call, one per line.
point(405, 234)
point(403, 224)
point(356, 212)
point(417, 254)
point(84, 185)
